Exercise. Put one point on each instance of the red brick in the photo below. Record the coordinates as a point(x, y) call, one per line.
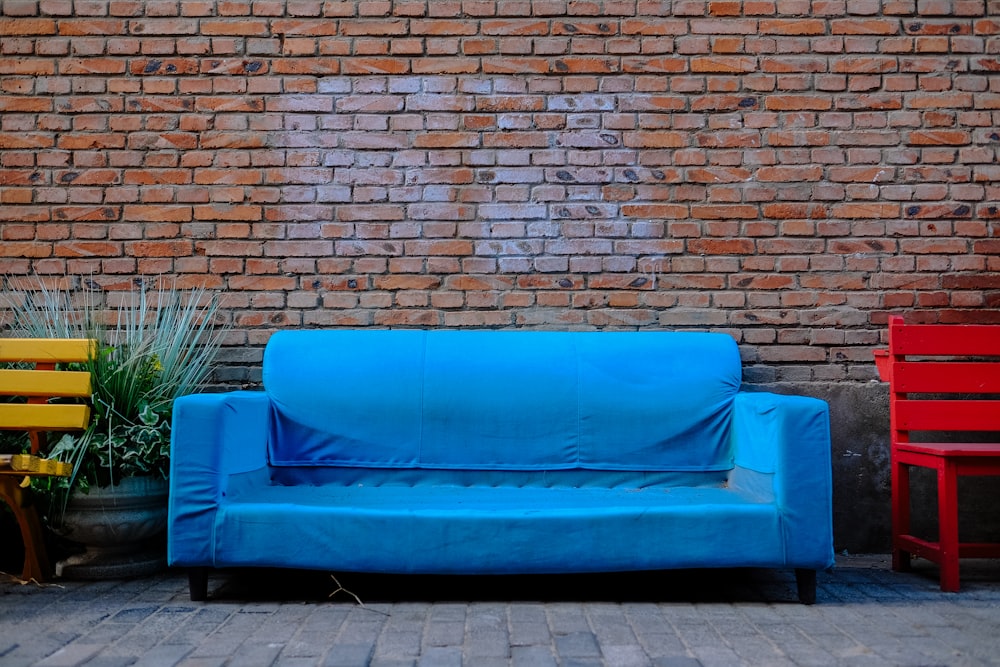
point(25, 249)
point(792, 27)
point(666, 211)
point(724, 8)
point(21, 141)
point(28, 26)
point(655, 140)
point(90, 27)
point(165, 248)
point(939, 137)
point(478, 283)
point(239, 27)
point(25, 105)
point(724, 64)
point(724, 211)
point(234, 248)
point(490, 166)
point(27, 66)
point(865, 210)
point(95, 65)
point(306, 66)
point(312, 27)
point(87, 249)
point(794, 210)
point(723, 26)
point(227, 212)
point(85, 213)
point(720, 246)
point(456, 65)
point(718, 175)
point(401, 317)
point(394, 283)
point(866, 26)
point(261, 283)
point(797, 103)
point(790, 174)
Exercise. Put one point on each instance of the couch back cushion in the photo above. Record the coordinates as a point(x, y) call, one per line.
point(516, 400)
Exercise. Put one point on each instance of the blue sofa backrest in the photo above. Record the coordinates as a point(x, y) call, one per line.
point(501, 400)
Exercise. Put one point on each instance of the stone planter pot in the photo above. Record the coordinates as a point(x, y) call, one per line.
point(119, 526)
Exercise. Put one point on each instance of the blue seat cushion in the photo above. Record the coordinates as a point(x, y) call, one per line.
point(458, 529)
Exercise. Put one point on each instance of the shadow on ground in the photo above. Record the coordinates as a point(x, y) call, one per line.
point(714, 585)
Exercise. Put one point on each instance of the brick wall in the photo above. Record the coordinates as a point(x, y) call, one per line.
point(784, 170)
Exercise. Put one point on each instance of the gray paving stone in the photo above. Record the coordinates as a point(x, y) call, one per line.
point(529, 633)
point(164, 655)
point(625, 656)
point(204, 662)
point(565, 618)
point(717, 656)
point(577, 645)
point(611, 627)
point(312, 645)
point(532, 656)
point(398, 643)
point(349, 655)
point(448, 612)
point(444, 633)
point(676, 661)
point(757, 650)
point(254, 652)
point(698, 634)
point(808, 655)
point(284, 661)
point(488, 662)
point(866, 616)
point(661, 645)
point(72, 655)
point(111, 661)
point(487, 644)
point(440, 656)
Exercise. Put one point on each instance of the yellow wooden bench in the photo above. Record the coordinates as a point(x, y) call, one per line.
point(38, 385)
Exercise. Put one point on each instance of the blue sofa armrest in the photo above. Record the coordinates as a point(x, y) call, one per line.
point(784, 442)
point(213, 436)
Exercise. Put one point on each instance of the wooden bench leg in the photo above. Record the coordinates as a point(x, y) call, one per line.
point(36, 561)
point(948, 524)
point(900, 514)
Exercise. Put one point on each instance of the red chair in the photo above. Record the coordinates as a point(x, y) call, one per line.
point(940, 378)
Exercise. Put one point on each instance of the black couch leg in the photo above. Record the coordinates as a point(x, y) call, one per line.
point(198, 583)
point(805, 580)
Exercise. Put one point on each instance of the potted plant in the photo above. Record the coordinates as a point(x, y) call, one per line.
point(156, 345)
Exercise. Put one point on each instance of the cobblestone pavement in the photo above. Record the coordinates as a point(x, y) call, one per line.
point(865, 615)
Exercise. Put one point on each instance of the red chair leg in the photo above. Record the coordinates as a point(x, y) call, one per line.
point(900, 514)
point(948, 524)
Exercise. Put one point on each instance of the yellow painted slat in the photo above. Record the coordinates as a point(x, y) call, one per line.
point(45, 349)
point(35, 465)
point(46, 417)
point(44, 383)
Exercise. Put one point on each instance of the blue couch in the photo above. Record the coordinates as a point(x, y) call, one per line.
point(500, 452)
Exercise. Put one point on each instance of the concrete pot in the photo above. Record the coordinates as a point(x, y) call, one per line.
point(118, 525)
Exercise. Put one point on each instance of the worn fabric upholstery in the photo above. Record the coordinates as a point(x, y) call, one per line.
point(456, 451)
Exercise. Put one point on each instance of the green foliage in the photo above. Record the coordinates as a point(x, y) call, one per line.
point(157, 345)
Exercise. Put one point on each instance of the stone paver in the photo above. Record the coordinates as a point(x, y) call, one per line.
point(865, 615)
